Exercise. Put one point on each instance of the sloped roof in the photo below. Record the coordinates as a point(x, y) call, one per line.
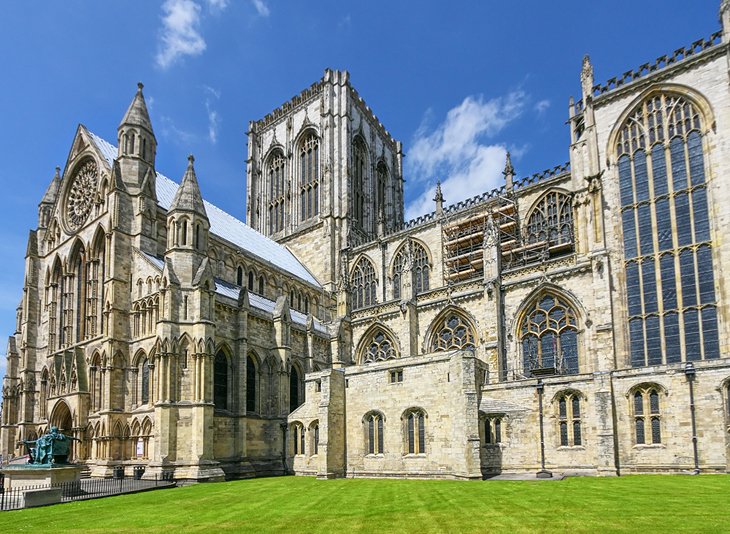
point(224, 225)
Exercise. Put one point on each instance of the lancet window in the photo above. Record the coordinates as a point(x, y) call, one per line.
point(275, 172)
point(363, 284)
point(415, 431)
point(569, 414)
point(309, 177)
point(378, 346)
point(453, 333)
point(647, 415)
point(670, 282)
point(359, 181)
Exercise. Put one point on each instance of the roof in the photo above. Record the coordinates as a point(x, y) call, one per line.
point(260, 302)
point(224, 225)
point(137, 112)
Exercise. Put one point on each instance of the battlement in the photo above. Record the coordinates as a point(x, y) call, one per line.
point(303, 97)
point(498, 192)
point(680, 55)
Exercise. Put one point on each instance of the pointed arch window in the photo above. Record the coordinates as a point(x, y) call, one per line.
point(551, 223)
point(549, 337)
point(419, 269)
point(363, 284)
point(415, 431)
point(275, 173)
point(298, 440)
point(309, 177)
point(647, 415)
point(569, 419)
point(251, 386)
point(220, 381)
point(374, 441)
point(145, 389)
point(239, 276)
point(381, 179)
point(53, 291)
point(296, 389)
point(670, 285)
point(359, 179)
point(378, 346)
point(453, 332)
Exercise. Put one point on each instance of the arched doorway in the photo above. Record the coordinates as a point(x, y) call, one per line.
point(61, 417)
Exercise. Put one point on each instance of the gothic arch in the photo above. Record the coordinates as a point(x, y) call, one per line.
point(540, 291)
point(661, 388)
point(568, 391)
point(61, 416)
point(707, 115)
point(377, 343)
point(556, 221)
point(403, 245)
point(435, 330)
point(363, 282)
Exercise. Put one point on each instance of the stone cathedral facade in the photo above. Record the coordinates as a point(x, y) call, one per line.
point(575, 320)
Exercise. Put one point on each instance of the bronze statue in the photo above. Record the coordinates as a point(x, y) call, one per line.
point(51, 448)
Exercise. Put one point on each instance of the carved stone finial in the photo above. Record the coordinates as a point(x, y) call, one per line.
point(586, 76)
point(140, 86)
point(191, 158)
point(509, 172)
point(439, 199)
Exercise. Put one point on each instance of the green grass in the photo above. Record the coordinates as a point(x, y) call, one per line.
point(296, 504)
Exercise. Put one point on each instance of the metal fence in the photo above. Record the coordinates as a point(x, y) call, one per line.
point(79, 490)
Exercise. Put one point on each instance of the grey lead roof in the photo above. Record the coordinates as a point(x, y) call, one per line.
point(224, 225)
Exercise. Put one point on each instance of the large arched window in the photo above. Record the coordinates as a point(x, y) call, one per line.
point(377, 345)
point(220, 381)
point(551, 222)
point(453, 332)
point(94, 287)
point(359, 179)
point(275, 175)
point(309, 177)
point(549, 337)
point(363, 284)
point(666, 233)
point(52, 302)
point(251, 386)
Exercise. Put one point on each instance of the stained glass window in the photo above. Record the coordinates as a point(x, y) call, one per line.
point(363, 284)
point(453, 333)
point(275, 174)
point(374, 433)
point(379, 347)
point(416, 432)
point(551, 222)
point(220, 381)
point(569, 424)
point(646, 404)
point(358, 182)
point(549, 337)
point(419, 269)
point(666, 233)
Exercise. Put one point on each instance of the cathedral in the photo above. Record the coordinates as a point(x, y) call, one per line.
point(573, 321)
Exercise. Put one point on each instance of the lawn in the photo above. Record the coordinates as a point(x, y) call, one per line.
point(297, 504)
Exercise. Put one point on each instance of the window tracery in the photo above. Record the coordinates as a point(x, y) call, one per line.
point(379, 347)
point(418, 267)
point(647, 415)
point(363, 284)
point(666, 233)
point(453, 333)
point(359, 181)
point(309, 178)
point(549, 337)
point(569, 419)
point(276, 176)
point(415, 431)
point(551, 222)
point(374, 433)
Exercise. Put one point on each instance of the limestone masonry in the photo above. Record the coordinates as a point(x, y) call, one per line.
point(583, 308)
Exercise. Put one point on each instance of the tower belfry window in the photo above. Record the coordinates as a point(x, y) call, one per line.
point(309, 177)
point(275, 174)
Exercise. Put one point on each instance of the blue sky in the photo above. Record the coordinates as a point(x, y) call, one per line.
point(457, 82)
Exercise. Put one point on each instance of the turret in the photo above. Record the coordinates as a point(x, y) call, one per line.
point(137, 145)
point(45, 207)
point(509, 173)
point(187, 226)
point(439, 200)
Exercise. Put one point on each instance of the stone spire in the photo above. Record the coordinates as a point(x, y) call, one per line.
point(188, 197)
point(509, 173)
point(137, 114)
point(439, 199)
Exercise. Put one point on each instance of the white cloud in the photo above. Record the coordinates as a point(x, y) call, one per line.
point(455, 151)
point(171, 131)
point(542, 106)
point(213, 117)
point(261, 8)
point(180, 35)
point(218, 5)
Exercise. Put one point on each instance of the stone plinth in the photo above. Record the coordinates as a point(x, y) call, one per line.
point(27, 476)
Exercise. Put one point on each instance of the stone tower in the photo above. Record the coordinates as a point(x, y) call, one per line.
point(323, 175)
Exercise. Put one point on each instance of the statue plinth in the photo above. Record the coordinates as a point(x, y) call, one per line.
point(31, 475)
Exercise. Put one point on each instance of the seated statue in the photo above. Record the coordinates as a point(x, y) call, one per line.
point(50, 448)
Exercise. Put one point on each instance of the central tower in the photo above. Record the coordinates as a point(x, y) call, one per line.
point(323, 174)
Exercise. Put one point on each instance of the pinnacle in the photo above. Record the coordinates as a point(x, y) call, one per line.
point(137, 113)
point(188, 195)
